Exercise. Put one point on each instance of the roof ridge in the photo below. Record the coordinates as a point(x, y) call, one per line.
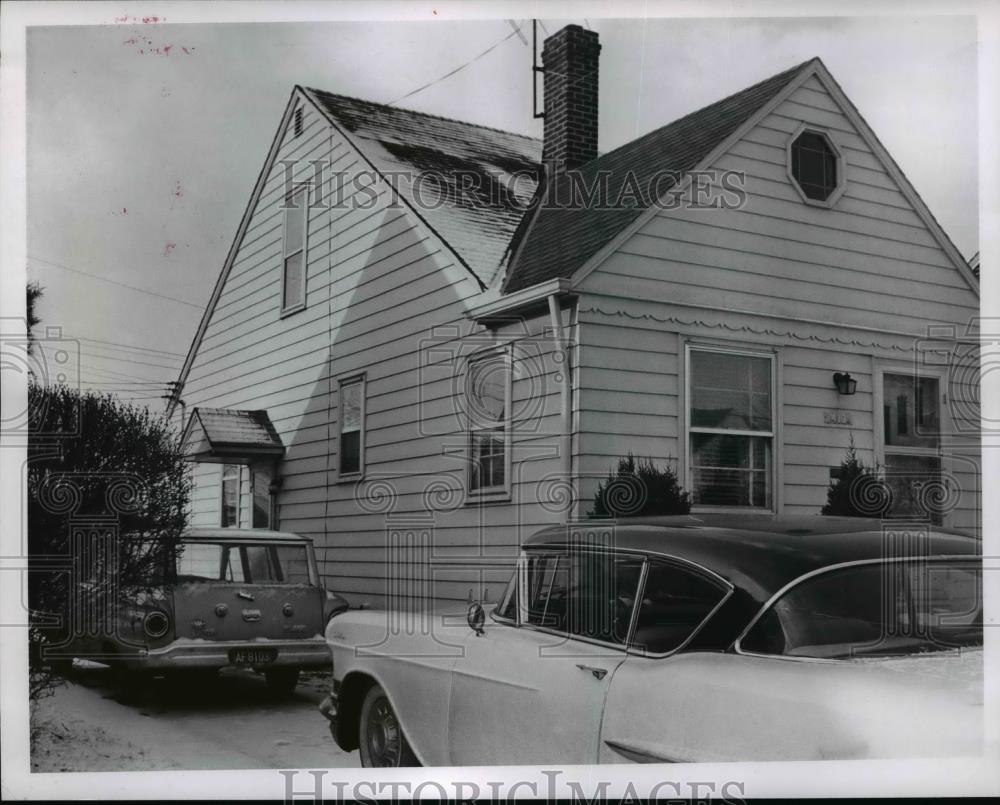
point(699, 110)
point(422, 114)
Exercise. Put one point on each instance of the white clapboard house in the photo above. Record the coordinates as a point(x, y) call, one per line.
point(408, 361)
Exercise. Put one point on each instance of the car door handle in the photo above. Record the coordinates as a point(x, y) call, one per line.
point(599, 673)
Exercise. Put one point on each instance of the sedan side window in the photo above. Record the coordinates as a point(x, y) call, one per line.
point(588, 594)
point(675, 602)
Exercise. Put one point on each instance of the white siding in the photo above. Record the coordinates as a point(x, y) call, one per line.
point(830, 289)
point(383, 297)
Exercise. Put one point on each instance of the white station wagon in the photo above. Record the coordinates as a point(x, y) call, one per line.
point(699, 638)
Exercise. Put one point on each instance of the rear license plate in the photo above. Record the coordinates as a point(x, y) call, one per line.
point(252, 656)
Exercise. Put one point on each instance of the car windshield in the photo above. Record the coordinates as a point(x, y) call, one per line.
point(243, 564)
point(882, 609)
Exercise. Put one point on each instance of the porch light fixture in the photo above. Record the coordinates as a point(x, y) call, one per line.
point(845, 383)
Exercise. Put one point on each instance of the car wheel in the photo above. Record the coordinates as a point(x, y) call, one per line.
point(381, 738)
point(282, 681)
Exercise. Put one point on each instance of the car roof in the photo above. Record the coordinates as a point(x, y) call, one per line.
point(241, 535)
point(760, 554)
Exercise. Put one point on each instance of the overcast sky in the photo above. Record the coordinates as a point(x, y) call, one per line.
point(144, 140)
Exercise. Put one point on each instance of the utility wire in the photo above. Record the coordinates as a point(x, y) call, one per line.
point(120, 384)
point(113, 375)
point(116, 282)
point(112, 352)
point(130, 346)
point(121, 359)
point(515, 32)
point(128, 359)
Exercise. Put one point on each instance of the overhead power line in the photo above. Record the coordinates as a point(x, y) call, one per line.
point(130, 346)
point(116, 282)
point(121, 359)
point(113, 375)
point(515, 32)
point(130, 357)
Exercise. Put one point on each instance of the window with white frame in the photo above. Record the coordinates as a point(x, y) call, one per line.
point(260, 483)
point(352, 426)
point(730, 428)
point(487, 394)
point(293, 273)
point(230, 516)
point(911, 442)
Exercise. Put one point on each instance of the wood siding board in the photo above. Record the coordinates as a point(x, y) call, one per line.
point(656, 246)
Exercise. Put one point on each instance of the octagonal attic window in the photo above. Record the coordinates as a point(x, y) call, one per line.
point(814, 166)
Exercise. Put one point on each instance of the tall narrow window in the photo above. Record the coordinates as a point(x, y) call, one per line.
point(911, 416)
point(293, 275)
point(261, 483)
point(352, 424)
point(487, 403)
point(230, 496)
point(731, 428)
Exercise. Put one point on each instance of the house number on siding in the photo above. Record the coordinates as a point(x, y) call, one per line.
point(836, 418)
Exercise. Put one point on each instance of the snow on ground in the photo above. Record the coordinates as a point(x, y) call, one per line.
point(228, 723)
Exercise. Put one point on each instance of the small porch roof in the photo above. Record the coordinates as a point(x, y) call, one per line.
point(226, 434)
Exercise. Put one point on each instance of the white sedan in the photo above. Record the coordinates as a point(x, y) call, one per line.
point(708, 638)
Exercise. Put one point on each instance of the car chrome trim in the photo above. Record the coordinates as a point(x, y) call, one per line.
point(737, 644)
point(641, 755)
point(597, 673)
point(555, 546)
point(640, 589)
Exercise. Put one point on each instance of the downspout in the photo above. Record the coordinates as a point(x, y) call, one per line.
point(565, 391)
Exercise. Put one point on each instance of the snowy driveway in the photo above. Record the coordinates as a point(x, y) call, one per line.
point(228, 723)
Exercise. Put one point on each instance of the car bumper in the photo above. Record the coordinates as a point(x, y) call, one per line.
point(215, 654)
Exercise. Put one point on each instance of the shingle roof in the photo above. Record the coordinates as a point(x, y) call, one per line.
point(219, 431)
point(560, 236)
point(477, 223)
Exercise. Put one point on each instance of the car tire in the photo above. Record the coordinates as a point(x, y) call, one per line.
point(380, 735)
point(282, 681)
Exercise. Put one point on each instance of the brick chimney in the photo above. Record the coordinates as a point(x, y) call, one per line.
point(570, 59)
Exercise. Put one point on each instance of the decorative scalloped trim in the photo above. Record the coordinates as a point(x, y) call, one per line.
point(850, 342)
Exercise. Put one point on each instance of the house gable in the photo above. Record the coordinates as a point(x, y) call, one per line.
point(875, 259)
point(470, 235)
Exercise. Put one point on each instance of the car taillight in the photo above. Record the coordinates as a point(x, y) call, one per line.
point(156, 623)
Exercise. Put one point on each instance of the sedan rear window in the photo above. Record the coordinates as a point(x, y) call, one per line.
point(675, 602)
point(882, 609)
point(243, 564)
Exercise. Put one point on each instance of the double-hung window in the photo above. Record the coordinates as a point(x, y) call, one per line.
point(487, 393)
point(352, 425)
point(293, 272)
point(911, 442)
point(730, 428)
